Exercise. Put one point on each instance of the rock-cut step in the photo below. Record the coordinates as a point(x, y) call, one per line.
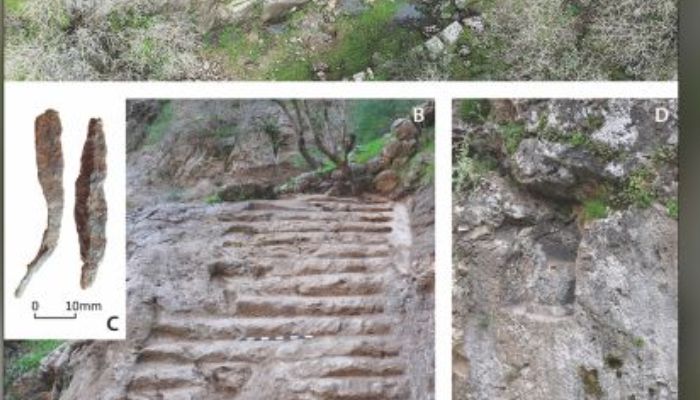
point(286, 306)
point(395, 388)
point(348, 348)
point(300, 226)
point(266, 266)
point(219, 327)
point(313, 286)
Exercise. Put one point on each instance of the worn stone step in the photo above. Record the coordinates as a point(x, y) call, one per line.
point(182, 352)
point(211, 327)
point(394, 388)
point(165, 376)
point(281, 306)
point(316, 285)
point(277, 226)
point(266, 266)
point(297, 238)
point(183, 393)
point(346, 367)
point(330, 251)
point(304, 216)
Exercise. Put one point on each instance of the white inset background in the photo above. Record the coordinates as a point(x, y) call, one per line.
point(58, 280)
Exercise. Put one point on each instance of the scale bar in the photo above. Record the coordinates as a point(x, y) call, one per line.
point(75, 316)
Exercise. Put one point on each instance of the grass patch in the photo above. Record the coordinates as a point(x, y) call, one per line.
point(213, 199)
point(13, 6)
point(369, 150)
point(157, 129)
point(672, 208)
point(578, 139)
point(480, 63)
point(638, 342)
point(363, 36)
point(236, 44)
point(32, 352)
point(292, 70)
point(594, 209)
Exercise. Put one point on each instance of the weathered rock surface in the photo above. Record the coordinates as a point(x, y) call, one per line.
point(90, 204)
point(340, 271)
point(549, 302)
point(247, 191)
point(49, 163)
point(140, 114)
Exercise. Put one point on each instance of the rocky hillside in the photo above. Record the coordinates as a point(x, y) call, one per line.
point(341, 39)
point(565, 242)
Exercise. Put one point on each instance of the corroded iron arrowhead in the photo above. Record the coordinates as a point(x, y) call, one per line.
point(49, 162)
point(90, 204)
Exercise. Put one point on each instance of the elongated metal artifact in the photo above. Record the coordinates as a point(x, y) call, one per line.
point(90, 204)
point(49, 163)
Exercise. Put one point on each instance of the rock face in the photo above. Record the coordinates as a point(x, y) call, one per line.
point(553, 300)
point(141, 113)
point(49, 163)
point(90, 203)
point(219, 289)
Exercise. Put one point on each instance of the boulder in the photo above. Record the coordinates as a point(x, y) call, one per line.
point(276, 10)
point(557, 170)
point(386, 181)
point(404, 129)
point(435, 47)
point(451, 33)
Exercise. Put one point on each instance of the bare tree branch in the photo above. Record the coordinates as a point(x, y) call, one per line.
point(297, 126)
point(318, 139)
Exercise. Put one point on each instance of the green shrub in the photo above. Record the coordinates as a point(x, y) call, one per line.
point(639, 189)
point(512, 134)
point(157, 128)
point(29, 359)
point(474, 111)
point(467, 171)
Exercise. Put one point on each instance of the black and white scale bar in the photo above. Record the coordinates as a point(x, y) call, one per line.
point(75, 316)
